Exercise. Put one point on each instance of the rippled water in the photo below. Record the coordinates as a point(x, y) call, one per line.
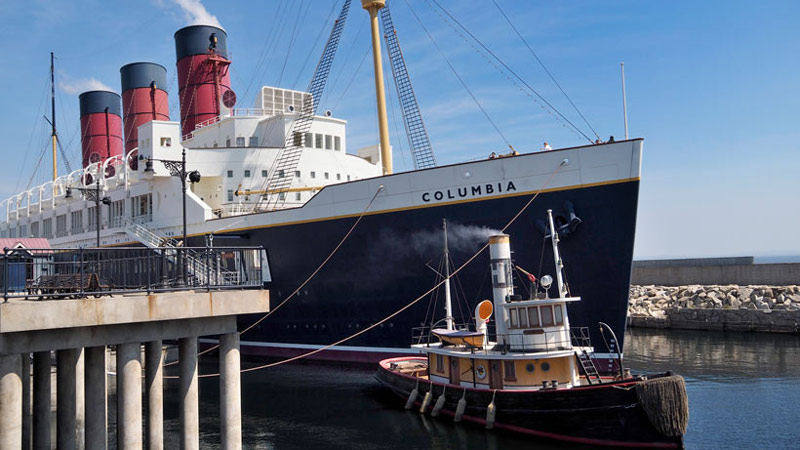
point(744, 392)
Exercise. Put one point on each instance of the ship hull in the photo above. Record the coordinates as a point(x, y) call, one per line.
point(381, 266)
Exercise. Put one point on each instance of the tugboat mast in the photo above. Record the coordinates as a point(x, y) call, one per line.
point(53, 116)
point(383, 123)
point(448, 304)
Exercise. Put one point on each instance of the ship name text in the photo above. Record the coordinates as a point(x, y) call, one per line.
point(468, 191)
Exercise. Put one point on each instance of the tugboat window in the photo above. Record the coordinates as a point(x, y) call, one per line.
point(523, 318)
point(440, 363)
point(559, 315)
point(545, 366)
point(547, 316)
point(533, 316)
point(514, 318)
point(530, 367)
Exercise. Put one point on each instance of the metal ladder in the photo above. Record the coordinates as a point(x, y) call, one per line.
point(197, 268)
point(588, 367)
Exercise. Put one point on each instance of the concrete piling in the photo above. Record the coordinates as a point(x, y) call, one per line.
point(129, 397)
point(67, 363)
point(190, 407)
point(41, 401)
point(96, 414)
point(154, 384)
point(10, 401)
point(230, 392)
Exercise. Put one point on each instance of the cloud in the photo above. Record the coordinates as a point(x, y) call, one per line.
point(197, 14)
point(80, 85)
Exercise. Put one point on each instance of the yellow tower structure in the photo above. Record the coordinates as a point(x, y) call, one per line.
point(383, 124)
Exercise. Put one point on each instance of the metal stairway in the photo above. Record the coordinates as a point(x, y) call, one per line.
point(587, 366)
point(196, 265)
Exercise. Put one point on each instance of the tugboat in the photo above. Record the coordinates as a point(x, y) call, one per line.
point(537, 377)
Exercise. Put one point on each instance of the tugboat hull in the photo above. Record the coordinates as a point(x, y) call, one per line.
point(612, 414)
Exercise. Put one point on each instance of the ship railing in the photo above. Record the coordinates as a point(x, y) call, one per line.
point(523, 341)
point(32, 274)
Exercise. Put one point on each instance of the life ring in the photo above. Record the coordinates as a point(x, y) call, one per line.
point(480, 371)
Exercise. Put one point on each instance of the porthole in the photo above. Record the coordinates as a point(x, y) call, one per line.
point(545, 366)
point(530, 367)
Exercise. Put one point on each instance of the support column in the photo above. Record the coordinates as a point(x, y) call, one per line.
point(154, 384)
point(230, 392)
point(26, 401)
point(10, 401)
point(41, 401)
point(96, 412)
point(129, 397)
point(80, 402)
point(67, 362)
point(190, 414)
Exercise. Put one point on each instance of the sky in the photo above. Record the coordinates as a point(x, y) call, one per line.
point(712, 87)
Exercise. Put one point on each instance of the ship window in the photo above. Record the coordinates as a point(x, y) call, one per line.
point(559, 315)
point(313, 174)
point(547, 316)
point(509, 371)
point(47, 228)
point(297, 196)
point(253, 141)
point(514, 317)
point(533, 316)
point(338, 176)
point(230, 195)
point(247, 174)
point(297, 174)
point(23, 231)
point(308, 140)
point(545, 366)
point(298, 139)
point(240, 141)
point(523, 318)
point(317, 141)
point(440, 363)
point(337, 143)
point(228, 142)
point(35, 228)
point(281, 173)
point(166, 142)
point(348, 178)
point(282, 196)
point(326, 175)
point(328, 142)
point(264, 173)
point(230, 174)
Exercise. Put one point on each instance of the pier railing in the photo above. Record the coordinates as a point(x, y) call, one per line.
point(83, 272)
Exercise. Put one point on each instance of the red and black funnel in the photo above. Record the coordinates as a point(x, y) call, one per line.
point(144, 98)
point(101, 126)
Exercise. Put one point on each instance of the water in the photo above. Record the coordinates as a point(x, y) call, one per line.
point(744, 391)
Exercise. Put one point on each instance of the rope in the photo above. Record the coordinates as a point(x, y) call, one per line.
point(486, 114)
point(307, 280)
point(545, 68)
point(510, 70)
point(407, 306)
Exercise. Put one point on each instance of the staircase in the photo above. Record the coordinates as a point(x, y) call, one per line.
point(196, 264)
point(587, 367)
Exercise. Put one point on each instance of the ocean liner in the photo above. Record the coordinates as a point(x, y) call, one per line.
point(280, 175)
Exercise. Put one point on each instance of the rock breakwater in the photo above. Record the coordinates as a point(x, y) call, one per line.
point(716, 307)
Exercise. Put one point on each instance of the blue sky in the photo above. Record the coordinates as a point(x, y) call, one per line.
point(712, 87)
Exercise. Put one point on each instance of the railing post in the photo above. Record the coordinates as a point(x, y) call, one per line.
point(164, 278)
point(5, 275)
point(149, 269)
point(80, 255)
point(208, 267)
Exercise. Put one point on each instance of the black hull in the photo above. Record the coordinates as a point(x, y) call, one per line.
point(608, 415)
point(381, 267)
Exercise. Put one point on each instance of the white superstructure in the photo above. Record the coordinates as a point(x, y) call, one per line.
point(234, 155)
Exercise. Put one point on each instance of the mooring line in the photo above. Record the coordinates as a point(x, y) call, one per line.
point(425, 294)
